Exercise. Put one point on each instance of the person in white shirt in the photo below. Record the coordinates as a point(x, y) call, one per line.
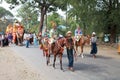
point(27, 39)
point(93, 45)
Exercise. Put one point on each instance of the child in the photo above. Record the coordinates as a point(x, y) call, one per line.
point(93, 45)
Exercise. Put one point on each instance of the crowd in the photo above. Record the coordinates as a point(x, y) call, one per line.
point(28, 38)
point(33, 39)
point(70, 48)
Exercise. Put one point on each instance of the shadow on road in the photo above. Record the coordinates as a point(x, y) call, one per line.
point(98, 56)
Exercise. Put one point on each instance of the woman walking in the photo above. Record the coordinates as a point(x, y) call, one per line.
point(93, 45)
point(35, 40)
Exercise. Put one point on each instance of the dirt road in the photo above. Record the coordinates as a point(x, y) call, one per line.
point(12, 67)
point(20, 63)
point(104, 67)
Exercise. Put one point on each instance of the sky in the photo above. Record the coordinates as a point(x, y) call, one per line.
point(6, 6)
point(14, 11)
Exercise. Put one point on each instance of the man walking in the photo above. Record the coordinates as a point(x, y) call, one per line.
point(70, 49)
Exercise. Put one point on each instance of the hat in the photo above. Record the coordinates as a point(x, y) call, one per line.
point(94, 33)
point(69, 32)
point(16, 21)
point(60, 35)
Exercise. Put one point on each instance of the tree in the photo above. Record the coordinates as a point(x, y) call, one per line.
point(111, 17)
point(59, 21)
point(4, 12)
point(97, 15)
point(55, 17)
point(28, 15)
point(0, 1)
point(82, 11)
point(4, 18)
point(43, 5)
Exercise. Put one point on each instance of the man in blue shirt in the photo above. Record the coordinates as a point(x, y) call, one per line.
point(78, 33)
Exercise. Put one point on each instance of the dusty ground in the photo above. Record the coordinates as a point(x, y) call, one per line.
point(13, 67)
point(104, 50)
point(108, 51)
point(106, 66)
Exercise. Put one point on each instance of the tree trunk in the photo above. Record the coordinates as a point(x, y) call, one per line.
point(46, 20)
point(43, 12)
point(112, 31)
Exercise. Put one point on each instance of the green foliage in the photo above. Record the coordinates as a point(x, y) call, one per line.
point(43, 6)
point(55, 17)
point(82, 11)
point(95, 15)
point(91, 15)
point(109, 15)
point(29, 17)
point(3, 21)
point(4, 12)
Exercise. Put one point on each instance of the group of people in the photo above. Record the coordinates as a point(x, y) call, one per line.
point(70, 48)
point(15, 34)
point(28, 38)
point(32, 38)
point(93, 40)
